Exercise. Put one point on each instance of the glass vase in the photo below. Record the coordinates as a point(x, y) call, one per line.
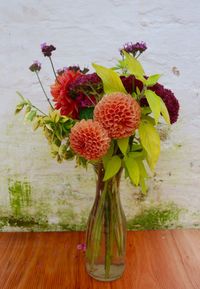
point(106, 230)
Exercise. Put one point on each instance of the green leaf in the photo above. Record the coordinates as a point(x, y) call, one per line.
point(135, 155)
point(111, 80)
point(21, 96)
point(126, 175)
point(133, 170)
point(149, 119)
point(165, 112)
point(54, 116)
point(31, 115)
point(138, 90)
point(112, 168)
point(28, 108)
point(152, 80)
point(143, 176)
point(19, 107)
point(136, 147)
point(134, 95)
point(154, 103)
point(134, 66)
point(62, 150)
point(86, 113)
point(150, 141)
point(157, 106)
point(108, 156)
point(54, 148)
point(146, 110)
point(37, 123)
point(142, 169)
point(123, 144)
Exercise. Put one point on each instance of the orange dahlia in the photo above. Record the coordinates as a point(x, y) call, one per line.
point(89, 139)
point(119, 114)
point(60, 92)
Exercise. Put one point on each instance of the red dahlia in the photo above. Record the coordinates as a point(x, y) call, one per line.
point(60, 92)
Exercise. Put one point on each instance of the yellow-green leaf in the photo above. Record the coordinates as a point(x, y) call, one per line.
point(142, 169)
point(152, 80)
point(123, 144)
point(133, 170)
point(135, 155)
point(134, 66)
point(31, 115)
point(165, 112)
point(111, 80)
point(112, 168)
point(143, 176)
point(150, 140)
point(19, 107)
point(108, 156)
point(154, 102)
point(55, 116)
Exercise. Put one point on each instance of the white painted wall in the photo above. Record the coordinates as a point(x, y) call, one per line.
point(86, 31)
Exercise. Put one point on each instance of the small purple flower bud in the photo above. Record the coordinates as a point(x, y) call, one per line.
point(43, 45)
point(47, 49)
point(36, 66)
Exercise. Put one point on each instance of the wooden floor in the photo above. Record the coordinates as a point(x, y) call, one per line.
point(155, 260)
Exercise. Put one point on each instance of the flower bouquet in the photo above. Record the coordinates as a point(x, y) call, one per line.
point(106, 119)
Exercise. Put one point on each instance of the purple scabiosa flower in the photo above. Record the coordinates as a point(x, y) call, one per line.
point(47, 49)
point(36, 66)
point(133, 48)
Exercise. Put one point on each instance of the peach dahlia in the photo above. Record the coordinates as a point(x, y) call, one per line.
point(89, 139)
point(119, 114)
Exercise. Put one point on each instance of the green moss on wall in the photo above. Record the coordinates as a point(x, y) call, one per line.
point(20, 196)
point(42, 215)
point(160, 216)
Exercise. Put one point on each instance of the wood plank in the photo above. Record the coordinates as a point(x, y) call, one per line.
point(168, 259)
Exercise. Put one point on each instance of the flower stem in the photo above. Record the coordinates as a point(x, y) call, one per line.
point(43, 90)
point(107, 236)
point(53, 69)
point(38, 109)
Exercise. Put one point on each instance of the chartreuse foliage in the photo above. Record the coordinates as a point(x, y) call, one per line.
point(111, 80)
point(56, 128)
point(142, 149)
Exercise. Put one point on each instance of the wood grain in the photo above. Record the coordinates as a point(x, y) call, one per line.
point(155, 260)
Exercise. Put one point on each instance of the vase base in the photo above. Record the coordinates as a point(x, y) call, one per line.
point(98, 272)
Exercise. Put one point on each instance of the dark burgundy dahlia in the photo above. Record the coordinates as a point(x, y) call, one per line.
point(130, 83)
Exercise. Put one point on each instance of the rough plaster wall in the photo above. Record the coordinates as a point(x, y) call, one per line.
point(38, 193)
